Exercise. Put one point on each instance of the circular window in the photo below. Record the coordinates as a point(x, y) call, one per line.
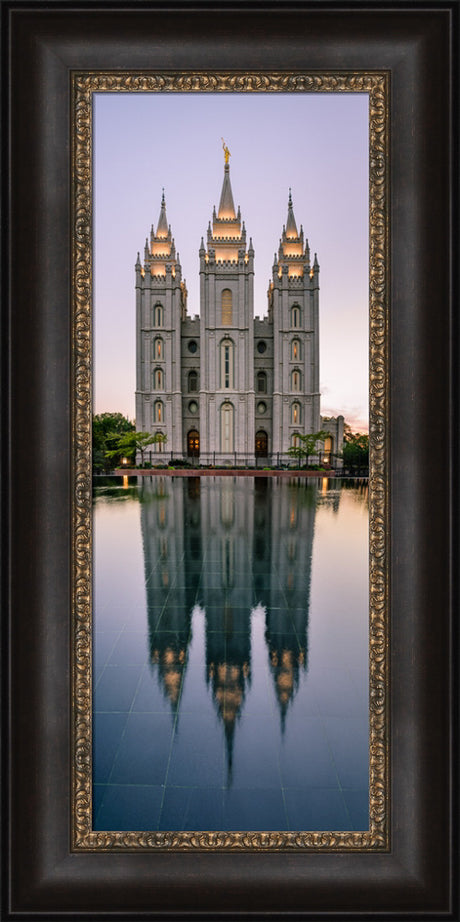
point(261, 347)
point(261, 407)
point(192, 346)
point(193, 406)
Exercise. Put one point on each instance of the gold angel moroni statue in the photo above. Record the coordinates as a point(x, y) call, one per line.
point(226, 151)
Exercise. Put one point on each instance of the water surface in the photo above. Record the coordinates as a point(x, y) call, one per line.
point(230, 654)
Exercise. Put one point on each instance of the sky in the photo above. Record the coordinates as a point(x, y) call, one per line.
point(316, 144)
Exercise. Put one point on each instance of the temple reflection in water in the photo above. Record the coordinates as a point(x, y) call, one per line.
point(219, 703)
point(230, 564)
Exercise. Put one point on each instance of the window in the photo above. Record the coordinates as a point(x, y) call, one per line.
point(261, 382)
point(295, 316)
point(159, 446)
point(226, 363)
point(226, 307)
point(226, 427)
point(193, 406)
point(261, 407)
point(295, 414)
point(192, 346)
point(193, 381)
point(261, 347)
point(158, 349)
point(295, 350)
point(158, 412)
point(295, 439)
point(158, 315)
point(296, 380)
point(158, 379)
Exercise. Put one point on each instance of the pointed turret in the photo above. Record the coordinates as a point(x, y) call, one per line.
point(314, 273)
point(293, 260)
point(160, 259)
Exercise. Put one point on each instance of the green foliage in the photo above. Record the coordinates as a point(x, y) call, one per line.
point(130, 443)
point(355, 450)
point(307, 445)
point(107, 429)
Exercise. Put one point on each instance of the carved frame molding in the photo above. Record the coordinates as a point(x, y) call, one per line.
point(377, 86)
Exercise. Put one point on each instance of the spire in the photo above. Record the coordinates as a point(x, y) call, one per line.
point(162, 229)
point(226, 206)
point(291, 226)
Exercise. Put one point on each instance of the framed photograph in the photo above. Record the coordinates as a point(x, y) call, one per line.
point(232, 700)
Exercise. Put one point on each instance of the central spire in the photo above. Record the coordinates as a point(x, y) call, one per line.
point(226, 205)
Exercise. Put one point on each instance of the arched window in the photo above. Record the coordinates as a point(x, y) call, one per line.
point(193, 380)
point(158, 349)
point(158, 315)
point(295, 440)
point(158, 379)
point(296, 354)
point(226, 427)
point(296, 380)
point(226, 363)
point(158, 412)
point(261, 382)
point(295, 316)
point(227, 307)
point(296, 418)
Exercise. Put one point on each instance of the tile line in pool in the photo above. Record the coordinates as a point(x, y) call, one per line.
point(123, 734)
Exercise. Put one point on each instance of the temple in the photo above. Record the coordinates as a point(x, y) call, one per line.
point(224, 386)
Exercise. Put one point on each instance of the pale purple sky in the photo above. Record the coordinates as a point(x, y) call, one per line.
point(317, 144)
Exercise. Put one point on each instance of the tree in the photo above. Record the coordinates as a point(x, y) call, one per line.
point(107, 428)
point(129, 444)
point(307, 445)
point(355, 450)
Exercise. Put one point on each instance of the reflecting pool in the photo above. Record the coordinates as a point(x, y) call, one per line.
point(230, 654)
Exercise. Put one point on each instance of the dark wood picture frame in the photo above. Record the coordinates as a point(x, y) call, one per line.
point(42, 46)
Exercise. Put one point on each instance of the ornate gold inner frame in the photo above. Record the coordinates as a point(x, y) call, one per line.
point(376, 85)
